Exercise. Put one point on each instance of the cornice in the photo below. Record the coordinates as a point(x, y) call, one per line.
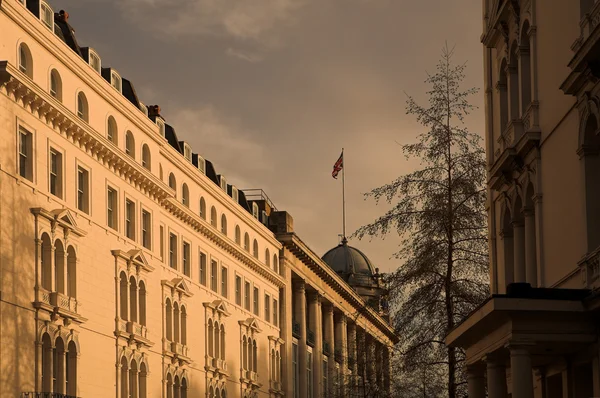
point(216, 192)
point(311, 260)
point(63, 53)
point(25, 92)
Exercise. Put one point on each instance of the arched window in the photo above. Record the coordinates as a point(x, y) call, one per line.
point(55, 85)
point(218, 393)
point(146, 159)
point(217, 341)
point(211, 350)
point(169, 320)
point(213, 216)
point(129, 144)
point(59, 371)
point(71, 369)
point(222, 342)
point(47, 361)
point(275, 263)
point(254, 356)
point(247, 242)
point(513, 83)
point(59, 267)
point(250, 361)
point(82, 107)
point(238, 235)
point(71, 272)
point(133, 375)
point(142, 301)
point(124, 296)
point(255, 249)
point(272, 364)
point(143, 380)
point(169, 386)
point(176, 387)
point(160, 172)
point(25, 60)
point(202, 208)
point(244, 353)
point(503, 93)
point(184, 388)
point(172, 182)
point(211, 392)
point(133, 299)
point(124, 378)
point(223, 224)
point(176, 318)
point(185, 195)
point(46, 263)
point(267, 258)
point(183, 325)
point(525, 58)
point(112, 132)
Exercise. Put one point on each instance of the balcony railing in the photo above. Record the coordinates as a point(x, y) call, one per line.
point(252, 376)
point(179, 349)
point(588, 23)
point(218, 363)
point(326, 348)
point(137, 329)
point(310, 337)
point(275, 385)
point(590, 269)
point(296, 329)
point(45, 395)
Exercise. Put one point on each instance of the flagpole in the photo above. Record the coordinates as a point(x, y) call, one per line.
point(343, 198)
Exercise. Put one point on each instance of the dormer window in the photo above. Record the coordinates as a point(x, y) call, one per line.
point(144, 109)
point(94, 61)
point(255, 212)
point(161, 127)
point(115, 80)
point(235, 194)
point(201, 164)
point(187, 152)
point(223, 183)
point(47, 15)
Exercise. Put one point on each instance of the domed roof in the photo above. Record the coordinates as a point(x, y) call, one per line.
point(347, 260)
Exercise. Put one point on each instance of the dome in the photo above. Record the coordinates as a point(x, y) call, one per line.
point(347, 260)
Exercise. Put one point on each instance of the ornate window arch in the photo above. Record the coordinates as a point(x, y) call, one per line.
point(215, 314)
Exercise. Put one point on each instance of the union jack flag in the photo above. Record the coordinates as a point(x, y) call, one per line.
point(338, 166)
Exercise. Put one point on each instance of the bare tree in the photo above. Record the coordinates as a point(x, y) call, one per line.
point(439, 213)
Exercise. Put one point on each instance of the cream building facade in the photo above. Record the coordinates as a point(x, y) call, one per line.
point(537, 334)
point(131, 268)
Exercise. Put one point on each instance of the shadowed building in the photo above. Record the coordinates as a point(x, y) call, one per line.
point(537, 334)
point(129, 267)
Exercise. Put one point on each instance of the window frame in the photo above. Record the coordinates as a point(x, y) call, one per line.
point(130, 217)
point(214, 274)
point(238, 289)
point(82, 109)
point(87, 208)
point(43, 14)
point(29, 165)
point(224, 281)
point(186, 244)
point(203, 268)
point(114, 209)
point(55, 78)
point(146, 232)
point(173, 258)
point(56, 177)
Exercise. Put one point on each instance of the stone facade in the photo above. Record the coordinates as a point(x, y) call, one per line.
point(128, 267)
point(536, 336)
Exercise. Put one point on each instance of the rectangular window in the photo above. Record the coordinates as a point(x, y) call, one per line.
point(223, 281)
point(267, 308)
point(247, 296)
point(146, 229)
point(186, 259)
point(161, 236)
point(295, 370)
point(25, 154)
point(116, 81)
point(83, 190)
point(111, 208)
point(55, 177)
point(173, 251)
point(95, 62)
point(130, 219)
point(203, 268)
point(47, 16)
point(213, 275)
point(238, 290)
point(255, 301)
point(275, 313)
point(309, 380)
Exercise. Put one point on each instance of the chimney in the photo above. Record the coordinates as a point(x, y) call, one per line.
point(281, 222)
point(153, 110)
point(63, 16)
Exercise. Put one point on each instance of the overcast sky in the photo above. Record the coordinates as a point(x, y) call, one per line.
point(271, 90)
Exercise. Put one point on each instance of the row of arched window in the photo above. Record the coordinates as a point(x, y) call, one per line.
point(133, 299)
point(176, 322)
point(275, 365)
point(176, 387)
point(216, 339)
point(59, 267)
point(112, 134)
point(133, 379)
point(217, 392)
point(249, 354)
point(59, 366)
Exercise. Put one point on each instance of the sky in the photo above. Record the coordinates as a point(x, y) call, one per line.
point(270, 91)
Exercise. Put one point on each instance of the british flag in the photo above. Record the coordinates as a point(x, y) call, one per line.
point(338, 166)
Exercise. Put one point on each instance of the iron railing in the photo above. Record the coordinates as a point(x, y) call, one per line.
point(45, 395)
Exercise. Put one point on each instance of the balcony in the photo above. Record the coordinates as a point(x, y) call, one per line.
point(590, 269)
point(296, 329)
point(275, 386)
point(58, 303)
point(45, 395)
point(177, 351)
point(220, 365)
point(310, 337)
point(252, 376)
point(326, 348)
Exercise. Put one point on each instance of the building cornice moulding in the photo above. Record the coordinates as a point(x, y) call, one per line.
point(22, 90)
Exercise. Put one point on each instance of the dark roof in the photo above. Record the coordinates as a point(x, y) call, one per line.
point(347, 260)
point(129, 92)
point(172, 137)
point(68, 33)
point(210, 172)
point(525, 291)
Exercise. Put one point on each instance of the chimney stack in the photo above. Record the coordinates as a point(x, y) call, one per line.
point(153, 110)
point(63, 16)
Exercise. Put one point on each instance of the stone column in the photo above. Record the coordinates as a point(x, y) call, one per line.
point(519, 251)
point(52, 269)
point(38, 366)
point(530, 248)
point(285, 324)
point(329, 338)
point(496, 379)
point(476, 381)
point(521, 376)
point(65, 275)
point(61, 373)
point(314, 319)
point(300, 317)
point(378, 366)
point(341, 341)
point(352, 353)
point(370, 357)
point(386, 371)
